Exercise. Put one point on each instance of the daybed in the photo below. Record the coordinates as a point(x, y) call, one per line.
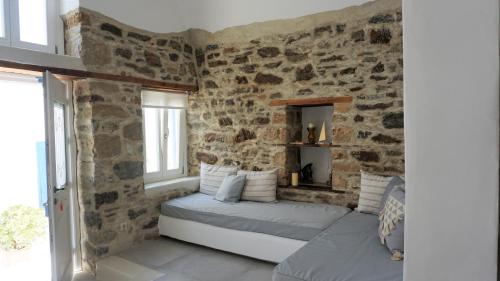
point(348, 250)
point(267, 231)
point(311, 242)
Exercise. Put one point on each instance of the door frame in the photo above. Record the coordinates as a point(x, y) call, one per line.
point(71, 162)
point(71, 173)
point(72, 157)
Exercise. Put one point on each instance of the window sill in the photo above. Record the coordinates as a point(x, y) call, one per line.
point(163, 187)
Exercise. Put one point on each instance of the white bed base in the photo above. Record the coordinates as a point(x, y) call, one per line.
point(251, 244)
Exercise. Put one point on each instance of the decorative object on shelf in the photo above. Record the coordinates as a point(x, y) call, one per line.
point(311, 133)
point(322, 134)
point(295, 179)
point(329, 181)
point(307, 173)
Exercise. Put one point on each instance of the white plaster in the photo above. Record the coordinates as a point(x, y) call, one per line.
point(178, 15)
point(152, 15)
point(451, 92)
point(68, 5)
point(320, 157)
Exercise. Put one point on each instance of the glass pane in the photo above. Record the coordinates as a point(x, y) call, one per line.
point(2, 19)
point(33, 21)
point(60, 145)
point(152, 139)
point(174, 139)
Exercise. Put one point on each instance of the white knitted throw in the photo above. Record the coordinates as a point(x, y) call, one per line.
point(389, 217)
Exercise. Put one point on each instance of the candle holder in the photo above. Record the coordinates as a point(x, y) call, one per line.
point(295, 179)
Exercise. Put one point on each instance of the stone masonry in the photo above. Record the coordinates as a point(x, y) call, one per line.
point(231, 122)
point(108, 122)
point(108, 127)
point(355, 52)
point(107, 46)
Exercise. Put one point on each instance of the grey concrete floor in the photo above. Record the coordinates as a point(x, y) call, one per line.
point(83, 276)
point(182, 261)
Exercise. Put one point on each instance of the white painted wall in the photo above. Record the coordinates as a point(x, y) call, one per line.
point(320, 157)
point(212, 15)
point(451, 91)
point(153, 15)
point(68, 5)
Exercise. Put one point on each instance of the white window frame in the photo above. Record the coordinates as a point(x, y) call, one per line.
point(12, 27)
point(5, 41)
point(164, 174)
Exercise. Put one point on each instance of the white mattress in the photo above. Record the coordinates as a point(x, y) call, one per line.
point(256, 245)
point(288, 219)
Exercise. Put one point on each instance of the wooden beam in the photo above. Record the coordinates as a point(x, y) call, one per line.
point(312, 101)
point(147, 83)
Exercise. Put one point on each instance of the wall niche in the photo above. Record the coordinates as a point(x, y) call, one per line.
point(300, 151)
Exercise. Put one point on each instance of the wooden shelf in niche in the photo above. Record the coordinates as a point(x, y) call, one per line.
point(311, 145)
point(355, 146)
point(312, 101)
point(300, 112)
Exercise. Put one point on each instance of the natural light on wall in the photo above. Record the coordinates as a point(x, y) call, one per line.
point(33, 21)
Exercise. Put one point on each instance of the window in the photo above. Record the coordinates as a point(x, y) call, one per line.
point(164, 126)
point(4, 19)
point(28, 24)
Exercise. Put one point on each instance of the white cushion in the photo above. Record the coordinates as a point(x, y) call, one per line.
point(260, 186)
point(211, 177)
point(372, 190)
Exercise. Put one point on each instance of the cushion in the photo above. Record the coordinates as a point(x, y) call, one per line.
point(231, 188)
point(372, 190)
point(391, 228)
point(211, 177)
point(390, 186)
point(260, 186)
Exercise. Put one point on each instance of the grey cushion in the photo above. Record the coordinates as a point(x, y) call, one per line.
point(395, 181)
point(372, 189)
point(393, 208)
point(231, 188)
point(348, 250)
point(260, 186)
point(211, 177)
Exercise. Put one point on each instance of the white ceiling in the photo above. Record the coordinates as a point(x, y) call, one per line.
point(212, 15)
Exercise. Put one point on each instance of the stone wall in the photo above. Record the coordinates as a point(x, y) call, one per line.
point(108, 125)
point(356, 52)
point(108, 46)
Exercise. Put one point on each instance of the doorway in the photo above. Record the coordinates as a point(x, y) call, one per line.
point(38, 228)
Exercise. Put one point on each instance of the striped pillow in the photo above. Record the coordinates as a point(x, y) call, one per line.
point(211, 177)
point(260, 186)
point(372, 190)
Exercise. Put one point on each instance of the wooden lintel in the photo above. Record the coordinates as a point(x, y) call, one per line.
point(75, 73)
point(312, 101)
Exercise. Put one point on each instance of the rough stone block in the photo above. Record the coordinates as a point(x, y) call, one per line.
point(106, 146)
